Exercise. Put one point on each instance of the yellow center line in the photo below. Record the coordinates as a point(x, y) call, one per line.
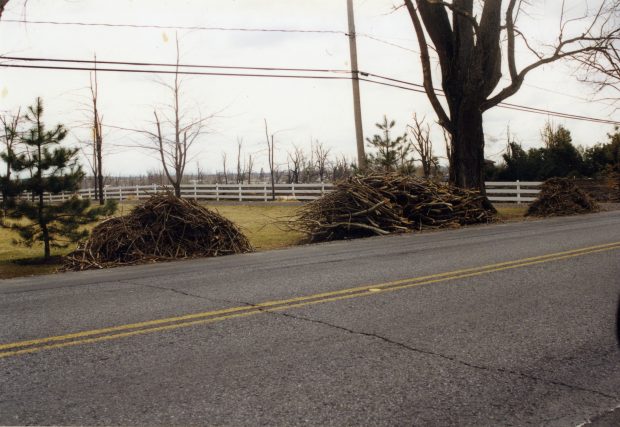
point(91, 336)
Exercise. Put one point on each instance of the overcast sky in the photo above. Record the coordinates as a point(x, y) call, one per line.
point(301, 110)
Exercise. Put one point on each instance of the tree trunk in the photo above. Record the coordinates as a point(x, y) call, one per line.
point(467, 151)
point(99, 176)
point(177, 189)
point(44, 229)
point(46, 242)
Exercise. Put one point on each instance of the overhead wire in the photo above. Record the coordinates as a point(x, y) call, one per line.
point(267, 30)
point(175, 27)
point(365, 76)
point(167, 64)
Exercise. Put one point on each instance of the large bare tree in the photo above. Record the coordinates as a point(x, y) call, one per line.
point(475, 42)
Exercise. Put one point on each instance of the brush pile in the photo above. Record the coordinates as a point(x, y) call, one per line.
point(380, 204)
point(164, 228)
point(604, 189)
point(561, 196)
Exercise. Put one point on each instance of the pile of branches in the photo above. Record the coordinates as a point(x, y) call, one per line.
point(604, 189)
point(165, 227)
point(561, 196)
point(381, 204)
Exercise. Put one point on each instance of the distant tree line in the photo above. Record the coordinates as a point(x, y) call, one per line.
point(558, 157)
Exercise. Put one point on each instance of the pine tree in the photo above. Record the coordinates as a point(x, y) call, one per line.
point(54, 169)
point(392, 154)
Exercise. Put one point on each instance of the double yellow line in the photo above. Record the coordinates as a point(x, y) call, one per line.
point(170, 323)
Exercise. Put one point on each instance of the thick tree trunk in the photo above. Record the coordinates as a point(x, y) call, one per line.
point(177, 189)
point(467, 152)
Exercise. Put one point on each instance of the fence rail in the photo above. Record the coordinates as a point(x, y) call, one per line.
point(517, 192)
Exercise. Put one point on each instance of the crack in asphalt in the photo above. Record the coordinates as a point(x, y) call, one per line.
point(163, 288)
point(396, 343)
point(435, 354)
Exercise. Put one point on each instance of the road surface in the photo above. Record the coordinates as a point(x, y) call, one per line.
point(508, 324)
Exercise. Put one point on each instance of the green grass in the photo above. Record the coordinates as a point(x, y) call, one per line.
point(258, 222)
point(511, 212)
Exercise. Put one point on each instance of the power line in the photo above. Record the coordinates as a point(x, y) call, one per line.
point(420, 88)
point(388, 43)
point(204, 28)
point(191, 73)
point(162, 64)
point(389, 81)
point(175, 27)
point(276, 30)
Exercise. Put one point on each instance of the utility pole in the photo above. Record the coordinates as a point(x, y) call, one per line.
point(357, 108)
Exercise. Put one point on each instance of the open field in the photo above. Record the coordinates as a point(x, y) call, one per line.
point(256, 220)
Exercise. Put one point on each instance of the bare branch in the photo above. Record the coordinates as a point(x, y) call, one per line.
point(594, 39)
point(444, 120)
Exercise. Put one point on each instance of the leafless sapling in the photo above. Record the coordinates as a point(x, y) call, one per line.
point(423, 145)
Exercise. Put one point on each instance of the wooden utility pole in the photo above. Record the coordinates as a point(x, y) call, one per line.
point(357, 108)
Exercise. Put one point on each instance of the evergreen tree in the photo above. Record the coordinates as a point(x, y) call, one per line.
point(391, 154)
point(54, 169)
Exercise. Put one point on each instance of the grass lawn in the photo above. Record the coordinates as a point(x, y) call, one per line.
point(511, 212)
point(256, 221)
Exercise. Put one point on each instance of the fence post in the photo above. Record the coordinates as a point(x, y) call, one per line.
point(240, 194)
point(89, 196)
point(518, 192)
point(105, 193)
point(154, 188)
point(322, 188)
point(195, 194)
point(217, 192)
point(265, 191)
point(293, 189)
point(138, 191)
point(120, 193)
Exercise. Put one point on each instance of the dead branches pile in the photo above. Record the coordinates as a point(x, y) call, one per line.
point(604, 189)
point(380, 204)
point(165, 227)
point(561, 196)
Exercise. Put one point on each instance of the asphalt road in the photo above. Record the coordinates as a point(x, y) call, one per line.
point(507, 324)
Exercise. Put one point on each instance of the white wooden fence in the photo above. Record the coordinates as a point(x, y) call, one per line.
point(518, 192)
point(513, 191)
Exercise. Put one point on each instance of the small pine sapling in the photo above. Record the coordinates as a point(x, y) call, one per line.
point(54, 170)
